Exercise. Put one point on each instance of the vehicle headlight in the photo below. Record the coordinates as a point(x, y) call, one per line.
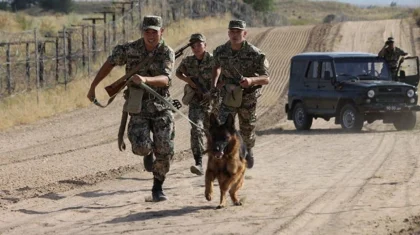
point(371, 93)
point(410, 93)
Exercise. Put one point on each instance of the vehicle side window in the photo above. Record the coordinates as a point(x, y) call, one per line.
point(312, 70)
point(326, 70)
point(298, 68)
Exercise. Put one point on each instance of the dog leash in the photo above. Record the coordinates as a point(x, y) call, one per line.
point(170, 105)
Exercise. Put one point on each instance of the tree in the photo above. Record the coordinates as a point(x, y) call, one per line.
point(22, 4)
point(261, 5)
point(65, 6)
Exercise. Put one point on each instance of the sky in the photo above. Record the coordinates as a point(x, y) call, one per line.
point(383, 2)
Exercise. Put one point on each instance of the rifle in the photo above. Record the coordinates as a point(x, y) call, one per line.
point(118, 85)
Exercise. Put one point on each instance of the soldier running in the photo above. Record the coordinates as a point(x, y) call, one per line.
point(196, 71)
point(243, 69)
point(148, 115)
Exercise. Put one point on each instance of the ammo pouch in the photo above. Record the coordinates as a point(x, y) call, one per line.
point(188, 94)
point(134, 100)
point(233, 95)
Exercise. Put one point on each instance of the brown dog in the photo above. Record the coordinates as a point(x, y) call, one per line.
point(226, 152)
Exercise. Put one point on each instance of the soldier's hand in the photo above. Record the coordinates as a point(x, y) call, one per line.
point(138, 79)
point(246, 82)
point(91, 94)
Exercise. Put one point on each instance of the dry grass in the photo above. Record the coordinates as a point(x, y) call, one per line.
point(29, 107)
point(304, 11)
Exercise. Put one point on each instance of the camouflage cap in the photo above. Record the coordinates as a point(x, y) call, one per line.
point(390, 39)
point(197, 37)
point(152, 22)
point(237, 24)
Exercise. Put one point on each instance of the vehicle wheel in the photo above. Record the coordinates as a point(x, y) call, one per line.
point(406, 121)
point(301, 119)
point(350, 118)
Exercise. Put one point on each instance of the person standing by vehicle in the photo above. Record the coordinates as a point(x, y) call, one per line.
point(196, 71)
point(243, 69)
point(148, 115)
point(392, 54)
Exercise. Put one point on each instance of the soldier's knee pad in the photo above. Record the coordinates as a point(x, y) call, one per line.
point(142, 150)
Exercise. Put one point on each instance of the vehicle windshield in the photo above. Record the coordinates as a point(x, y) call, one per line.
point(372, 69)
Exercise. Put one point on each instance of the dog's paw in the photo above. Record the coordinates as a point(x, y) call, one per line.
point(208, 196)
point(220, 207)
point(238, 203)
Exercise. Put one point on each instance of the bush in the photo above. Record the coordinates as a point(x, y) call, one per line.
point(18, 5)
point(329, 18)
point(64, 6)
point(261, 5)
point(4, 6)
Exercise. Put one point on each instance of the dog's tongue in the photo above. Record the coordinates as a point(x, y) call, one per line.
point(218, 154)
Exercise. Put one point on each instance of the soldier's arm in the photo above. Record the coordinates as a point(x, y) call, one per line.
point(401, 52)
point(217, 68)
point(118, 57)
point(263, 77)
point(181, 74)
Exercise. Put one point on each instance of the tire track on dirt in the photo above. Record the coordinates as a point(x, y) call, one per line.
point(317, 199)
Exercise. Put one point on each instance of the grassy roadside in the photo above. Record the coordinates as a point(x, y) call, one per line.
point(31, 106)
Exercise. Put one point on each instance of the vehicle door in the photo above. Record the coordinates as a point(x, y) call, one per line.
point(326, 92)
point(409, 71)
point(310, 84)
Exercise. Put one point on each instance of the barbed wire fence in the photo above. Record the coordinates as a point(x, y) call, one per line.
point(31, 60)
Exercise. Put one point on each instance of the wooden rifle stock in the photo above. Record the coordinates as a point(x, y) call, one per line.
point(118, 85)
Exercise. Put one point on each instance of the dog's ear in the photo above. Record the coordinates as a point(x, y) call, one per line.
point(213, 120)
point(230, 122)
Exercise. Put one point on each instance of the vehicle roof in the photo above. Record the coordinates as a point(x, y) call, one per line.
point(333, 55)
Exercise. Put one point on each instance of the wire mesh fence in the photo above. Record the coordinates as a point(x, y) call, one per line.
point(31, 60)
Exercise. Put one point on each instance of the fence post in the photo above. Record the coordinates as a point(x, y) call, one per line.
point(57, 59)
point(8, 70)
point(36, 64)
point(140, 16)
point(28, 66)
point(69, 52)
point(114, 28)
point(40, 61)
point(83, 47)
point(88, 51)
point(65, 57)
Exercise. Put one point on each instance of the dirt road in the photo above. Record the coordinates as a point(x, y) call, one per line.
point(65, 175)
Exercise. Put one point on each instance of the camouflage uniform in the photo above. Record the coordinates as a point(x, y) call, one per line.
point(249, 61)
point(155, 117)
point(198, 112)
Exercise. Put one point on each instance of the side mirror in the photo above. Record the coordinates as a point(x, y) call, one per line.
point(402, 74)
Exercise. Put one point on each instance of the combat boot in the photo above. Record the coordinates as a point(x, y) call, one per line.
point(197, 168)
point(148, 162)
point(157, 192)
point(249, 159)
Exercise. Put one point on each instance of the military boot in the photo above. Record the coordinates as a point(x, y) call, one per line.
point(197, 168)
point(249, 159)
point(148, 162)
point(157, 192)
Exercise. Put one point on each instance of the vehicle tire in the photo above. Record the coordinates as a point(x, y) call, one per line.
point(350, 118)
point(406, 121)
point(301, 118)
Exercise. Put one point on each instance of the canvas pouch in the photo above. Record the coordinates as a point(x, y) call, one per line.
point(233, 96)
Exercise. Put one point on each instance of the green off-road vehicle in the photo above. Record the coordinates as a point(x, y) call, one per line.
point(352, 88)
